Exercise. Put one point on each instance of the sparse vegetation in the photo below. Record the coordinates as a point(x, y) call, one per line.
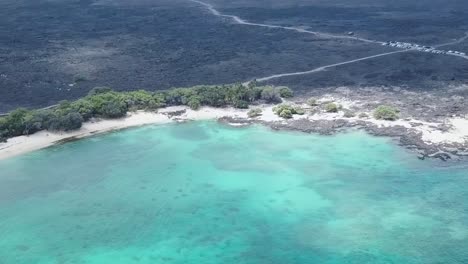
point(298, 110)
point(349, 114)
point(287, 111)
point(79, 78)
point(106, 103)
point(285, 92)
point(363, 115)
point(331, 108)
point(271, 95)
point(385, 112)
point(99, 89)
point(256, 112)
point(312, 101)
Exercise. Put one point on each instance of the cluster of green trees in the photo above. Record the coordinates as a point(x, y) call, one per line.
point(106, 103)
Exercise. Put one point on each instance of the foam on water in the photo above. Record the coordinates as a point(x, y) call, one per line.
point(202, 192)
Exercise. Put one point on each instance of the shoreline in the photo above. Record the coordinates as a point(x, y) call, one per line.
point(23, 144)
point(443, 139)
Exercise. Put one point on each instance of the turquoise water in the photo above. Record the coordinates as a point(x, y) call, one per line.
point(202, 192)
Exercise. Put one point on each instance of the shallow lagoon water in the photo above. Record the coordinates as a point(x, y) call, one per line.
point(202, 192)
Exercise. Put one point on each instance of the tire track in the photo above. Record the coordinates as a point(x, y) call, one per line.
point(241, 21)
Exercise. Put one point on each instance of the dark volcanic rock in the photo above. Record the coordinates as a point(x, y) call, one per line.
point(324, 127)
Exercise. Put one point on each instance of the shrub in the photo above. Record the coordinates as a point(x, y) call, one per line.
point(113, 109)
point(252, 84)
point(331, 108)
point(239, 95)
point(385, 112)
point(298, 110)
point(84, 108)
point(108, 104)
point(194, 103)
point(254, 112)
point(242, 104)
point(216, 96)
point(157, 102)
point(287, 111)
point(363, 115)
point(312, 101)
point(70, 121)
point(79, 78)
point(285, 92)
point(349, 113)
point(14, 123)
point(277, 109)
point(36, 121)
point(270, 95)
point(142, 100)
point(3, 135)
point(99, 90)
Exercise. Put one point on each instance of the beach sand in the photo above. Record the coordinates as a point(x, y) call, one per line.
point(431, 132)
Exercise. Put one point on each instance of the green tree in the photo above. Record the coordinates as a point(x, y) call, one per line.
point(15, 122)
point(252, 84)
point(36, 121)
point(71, 121)
point(212, 95)
point(138, 99)
point(67, 122)
point(84, 107)
point(113, 109)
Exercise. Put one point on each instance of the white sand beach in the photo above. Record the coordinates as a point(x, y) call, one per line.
point(430, 132)
point(23, 144)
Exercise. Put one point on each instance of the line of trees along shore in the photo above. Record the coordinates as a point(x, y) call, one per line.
point(103, 102)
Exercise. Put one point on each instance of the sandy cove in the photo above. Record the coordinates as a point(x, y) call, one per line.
point(430, 133)
point(23, 144)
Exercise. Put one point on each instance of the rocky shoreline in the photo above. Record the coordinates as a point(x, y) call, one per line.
point(405, 137)
point(432, 109)
point(433, 125)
